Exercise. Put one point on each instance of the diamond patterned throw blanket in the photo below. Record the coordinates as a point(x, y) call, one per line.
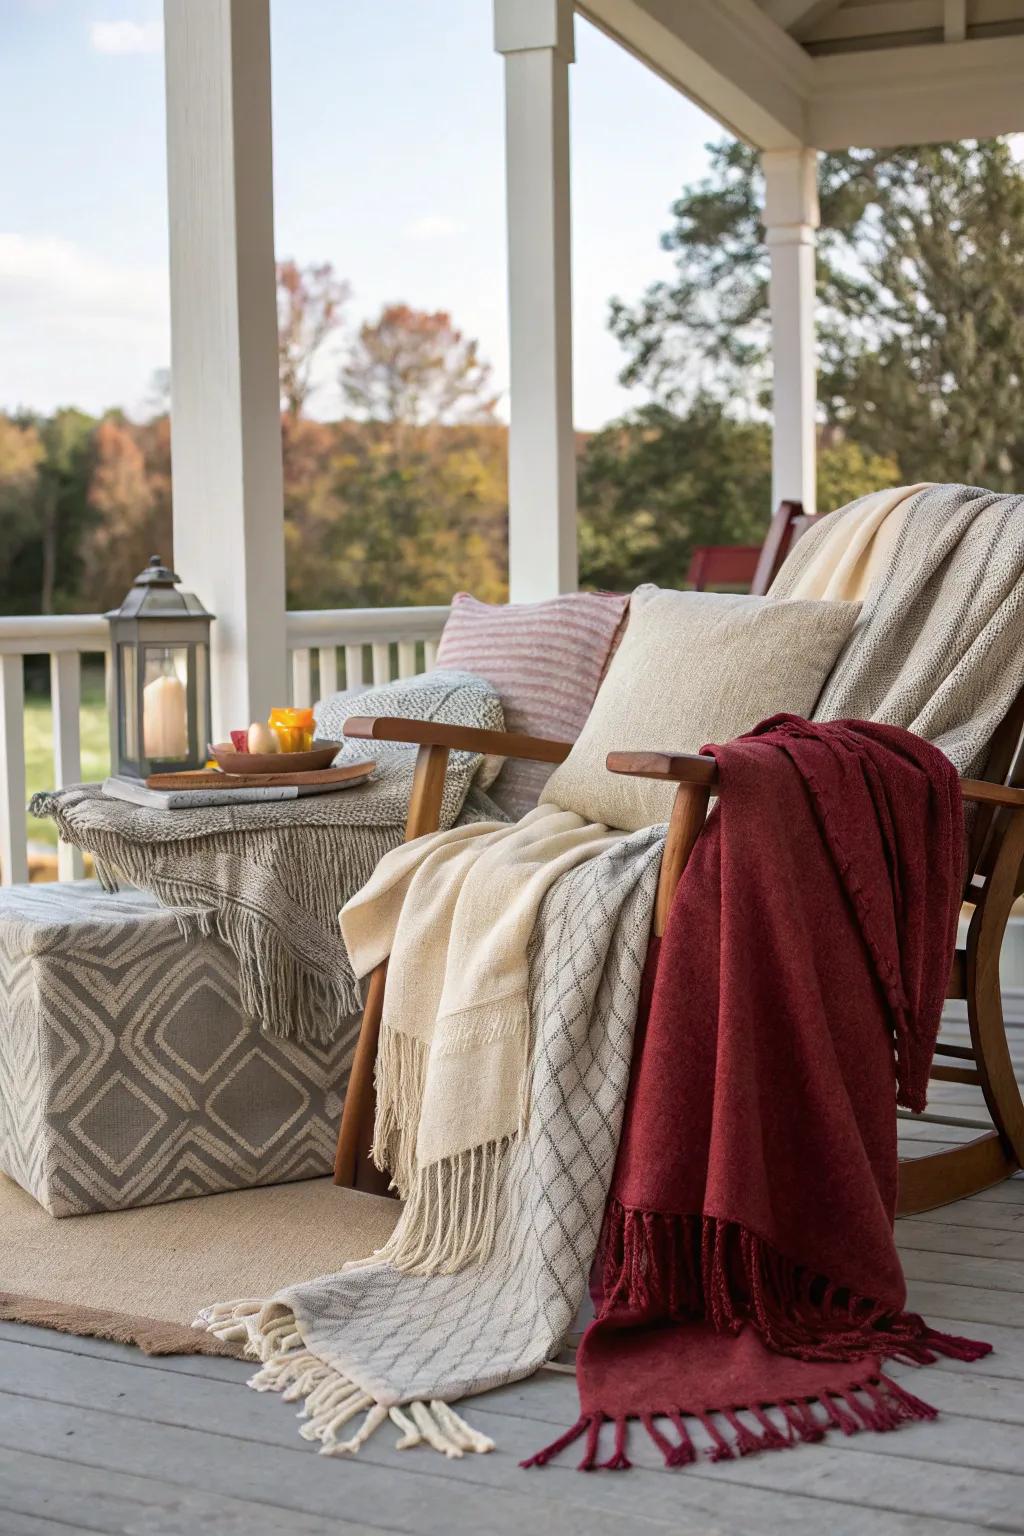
point(269, 879)
point(366, 1341)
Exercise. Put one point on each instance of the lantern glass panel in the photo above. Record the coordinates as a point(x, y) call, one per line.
point(129, 720)
point(201, 665)
point(165, 703)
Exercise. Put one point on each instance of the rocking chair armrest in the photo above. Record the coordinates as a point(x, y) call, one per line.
point(459, 738)
point(677, 767)
point(691, 768)
point(980, 792)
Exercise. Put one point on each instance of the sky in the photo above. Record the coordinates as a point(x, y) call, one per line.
point(388, 162)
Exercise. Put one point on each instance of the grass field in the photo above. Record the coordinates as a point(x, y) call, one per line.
point(39, 745)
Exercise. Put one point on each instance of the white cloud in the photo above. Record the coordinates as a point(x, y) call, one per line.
point(77, 327)
point(126, 37)
point(433, 226)
point(57, 277)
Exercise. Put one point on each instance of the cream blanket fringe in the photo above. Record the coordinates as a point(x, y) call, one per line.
point(330, 1400)
point(455, 911)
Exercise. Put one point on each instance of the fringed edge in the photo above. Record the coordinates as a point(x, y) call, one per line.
point(297, 996)
point(876, 1403)
point(400, 1079)
point(698, 1266)
point(451, 1213)
point(275, 986)
point(330, 1399)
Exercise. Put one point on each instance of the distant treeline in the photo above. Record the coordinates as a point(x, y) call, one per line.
point(385, 513)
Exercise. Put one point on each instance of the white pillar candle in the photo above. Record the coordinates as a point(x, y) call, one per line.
point(165, 718)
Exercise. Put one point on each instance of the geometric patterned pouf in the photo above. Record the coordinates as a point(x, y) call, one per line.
point(129, 1074)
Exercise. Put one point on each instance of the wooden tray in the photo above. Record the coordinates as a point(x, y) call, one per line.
point(213, 778)
point(257, 764)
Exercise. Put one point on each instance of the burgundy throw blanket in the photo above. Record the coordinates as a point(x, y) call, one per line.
point(749, 1280)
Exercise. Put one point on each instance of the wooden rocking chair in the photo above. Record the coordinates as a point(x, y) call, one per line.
point(995, 858)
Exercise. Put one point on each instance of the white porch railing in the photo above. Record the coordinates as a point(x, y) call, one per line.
point(353, 646)
point(328, 649)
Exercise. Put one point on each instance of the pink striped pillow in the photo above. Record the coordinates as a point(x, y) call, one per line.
point(545, 659)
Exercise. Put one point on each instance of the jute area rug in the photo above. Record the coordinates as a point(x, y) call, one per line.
point(141, 1276)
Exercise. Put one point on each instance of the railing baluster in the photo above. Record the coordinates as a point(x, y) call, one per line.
point(13, 830)
point(353, 666)
point(302, 678)
point(407, 658)
point(328, 655)
point(381, 662)
point(66, 701)
point(429, 654)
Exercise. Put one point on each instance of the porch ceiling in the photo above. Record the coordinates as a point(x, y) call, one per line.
point(834, 73)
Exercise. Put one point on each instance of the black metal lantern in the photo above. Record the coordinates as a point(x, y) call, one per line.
point(160, 650)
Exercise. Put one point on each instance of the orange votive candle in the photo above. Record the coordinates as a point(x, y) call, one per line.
point(293, 728)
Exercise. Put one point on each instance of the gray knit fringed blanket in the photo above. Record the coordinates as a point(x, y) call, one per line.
point(269, 879)
point(939, 644)
point(355, 1346)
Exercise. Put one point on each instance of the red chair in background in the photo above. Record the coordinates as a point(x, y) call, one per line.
point(753, 566)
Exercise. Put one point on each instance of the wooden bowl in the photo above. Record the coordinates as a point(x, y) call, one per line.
point(230, 761)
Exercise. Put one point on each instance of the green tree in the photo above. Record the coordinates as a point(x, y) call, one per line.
point(920, 295)
point(62, 512)
point(661, 482)
point(846, 471)
point(653, 486)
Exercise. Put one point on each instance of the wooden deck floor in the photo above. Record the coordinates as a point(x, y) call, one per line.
point(95, 1437)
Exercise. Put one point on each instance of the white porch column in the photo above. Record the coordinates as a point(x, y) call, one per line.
point(791, 218)
point(226, 420)
point(536, 38)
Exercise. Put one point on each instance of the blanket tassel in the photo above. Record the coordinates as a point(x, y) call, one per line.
point(329, 1399)
point(880, 1404)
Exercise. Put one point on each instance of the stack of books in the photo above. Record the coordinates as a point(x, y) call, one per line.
point(188, 791)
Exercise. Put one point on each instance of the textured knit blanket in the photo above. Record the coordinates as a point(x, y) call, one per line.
point(268, 879)
point(751, 1283)
point(361, 1343)
point(939, 644)
point(455, 912)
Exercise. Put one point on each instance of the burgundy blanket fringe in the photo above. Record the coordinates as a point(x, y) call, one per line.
point(698, 1267)
point(695, 1267)
point(877, 1403)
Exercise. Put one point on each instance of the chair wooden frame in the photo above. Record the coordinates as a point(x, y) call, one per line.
point(995, 862)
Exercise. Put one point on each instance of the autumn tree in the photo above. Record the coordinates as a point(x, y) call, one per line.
point(21, 453)
point(368, 526)
point(310, 301)
point(416, 369)
point(129, 500)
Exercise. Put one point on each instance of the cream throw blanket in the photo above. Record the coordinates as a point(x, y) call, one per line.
point(455, 911)
point(848, 556)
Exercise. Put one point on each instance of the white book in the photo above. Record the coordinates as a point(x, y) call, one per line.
point(185, 799)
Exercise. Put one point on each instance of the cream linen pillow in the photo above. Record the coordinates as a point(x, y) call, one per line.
point(694, 667)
